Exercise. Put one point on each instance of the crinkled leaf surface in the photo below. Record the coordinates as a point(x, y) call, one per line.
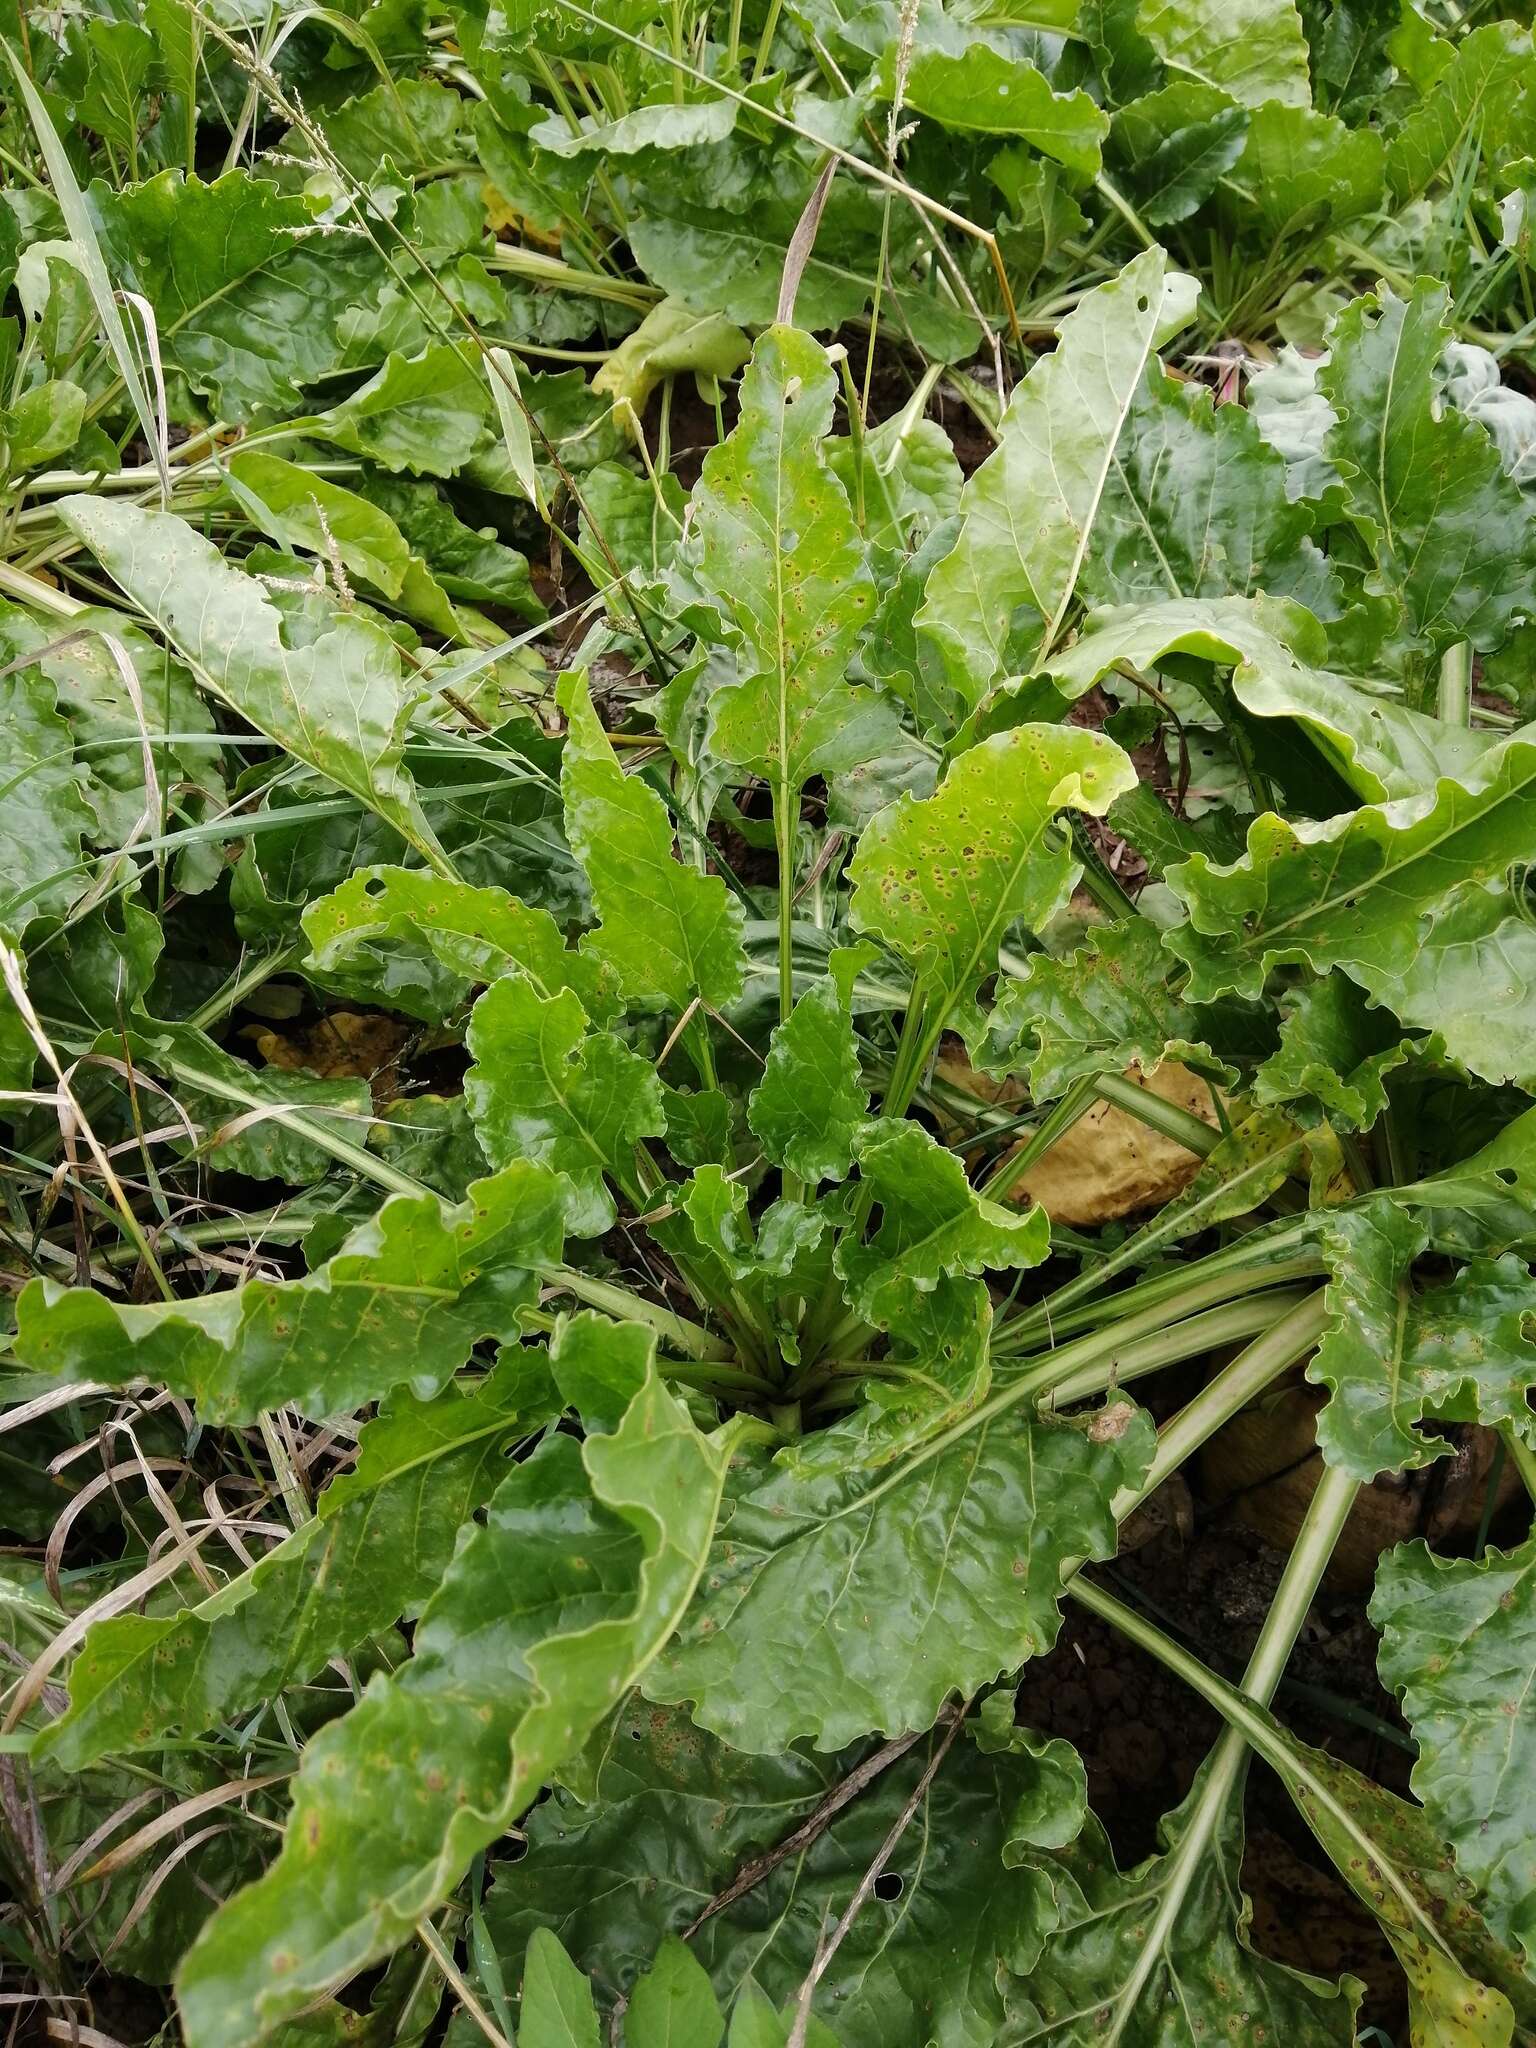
point(668, 933)
point(1028, 513)
point(843, 1601)
point(418, 943)
point(932, 1223)
point(1253, 50)
point(338, 703)
point(1098, 1010)
point(1336, 1049)
point(940, 879)
point(1366, 891)
point(1195, 506)
point(378, 1543)
point(545, 1088)
point(1397, 1355)
point(1453, 536)
point(225, 266)
point(811, 1099)
point(1160, 1956)
point(675, 1813)
point(402, 1302)
point(1459, 1646)
point(781, 557)
point(601, 1545)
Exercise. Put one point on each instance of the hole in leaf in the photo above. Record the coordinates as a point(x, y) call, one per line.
point(889, 1885)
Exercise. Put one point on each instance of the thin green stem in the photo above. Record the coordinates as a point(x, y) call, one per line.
point(1015, 1163)
point(765, 40)
point(785, 819)
point(1520, 1455)
point(251, 976)
point(1127, 212)
point(1231, 1390)
point(1261, 1259)
point(618, 1302)
point(1454, 700)
point(1131, 1350)
point(1320, 1532)
point(1326, 1515)
point(1181, 1125)
point(1179, 1219)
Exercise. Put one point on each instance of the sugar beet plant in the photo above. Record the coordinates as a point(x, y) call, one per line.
point(765, 819)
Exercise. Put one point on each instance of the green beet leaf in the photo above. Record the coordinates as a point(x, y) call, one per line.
point(781, 557)
point(1027, 515)
point(1101, 1009)
point(1304, 173)
point(1399, 1354)
point(1386, 893)
point(546, 1089)
point(668, 341)
point(1161, 1954)
point(46, 815)
point(1459, 1646)
point(669, 934)
point(402, 1302)
point(226, 266)
point(1172, 146)
point(898, 1586)
point(378, 1543)
point(417, 943)
point(302, 510)
point(1379, 747)
point(1478, 94)
point(1453, 538)
point(604, 1543)
point(811, 1100)
point(1253, 50)
point(940, 879)
point(932, 1224)
point(983, 91)
point(427, 413)
point(674, 2004)
point(557, 2008)
point(111, 681)
point(1465, 1985)
point(1195, 507)
point(675, 1813)
point(1336, 1050)
point(339, 703)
